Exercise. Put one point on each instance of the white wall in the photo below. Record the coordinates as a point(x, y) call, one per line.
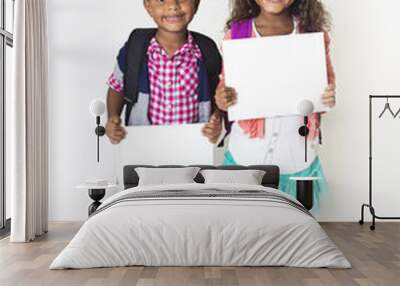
point(365, 53)
point(86, 35)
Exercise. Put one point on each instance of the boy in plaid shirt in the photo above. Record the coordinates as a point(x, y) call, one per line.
point(166, 75)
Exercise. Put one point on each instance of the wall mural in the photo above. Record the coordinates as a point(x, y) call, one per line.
point(170, 76)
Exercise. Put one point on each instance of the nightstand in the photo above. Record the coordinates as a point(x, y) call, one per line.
point(96, 193)
point(304, 189)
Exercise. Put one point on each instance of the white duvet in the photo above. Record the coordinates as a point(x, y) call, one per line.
point(200, 232)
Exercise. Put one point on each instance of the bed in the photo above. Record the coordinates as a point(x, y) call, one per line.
point(198, 224)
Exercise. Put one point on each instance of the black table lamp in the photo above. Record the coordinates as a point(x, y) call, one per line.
point(305, 108)
point(98, 108)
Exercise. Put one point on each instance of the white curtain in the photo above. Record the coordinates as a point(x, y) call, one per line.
point(28, 123)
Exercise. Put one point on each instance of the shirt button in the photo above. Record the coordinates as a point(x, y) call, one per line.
point(275, 134)
point(270, 150)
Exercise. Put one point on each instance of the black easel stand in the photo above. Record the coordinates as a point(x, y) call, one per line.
point(370, 205)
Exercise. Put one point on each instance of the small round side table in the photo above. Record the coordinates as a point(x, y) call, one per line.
point(96, 193)
point(304, 189)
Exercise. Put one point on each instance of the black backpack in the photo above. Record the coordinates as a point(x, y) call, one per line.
point(137, 46)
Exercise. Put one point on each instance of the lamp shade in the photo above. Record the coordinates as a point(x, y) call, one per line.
point(305, 107)
point(97, 107)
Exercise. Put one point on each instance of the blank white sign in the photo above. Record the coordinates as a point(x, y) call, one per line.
point(272, 75)
point(165, 145)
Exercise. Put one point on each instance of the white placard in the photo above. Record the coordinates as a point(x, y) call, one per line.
point(166, 145)
point(273, 74)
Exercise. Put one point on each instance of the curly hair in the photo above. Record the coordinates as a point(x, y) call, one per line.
point(311, 14)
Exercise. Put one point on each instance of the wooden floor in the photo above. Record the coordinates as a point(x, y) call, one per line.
point(375, 257)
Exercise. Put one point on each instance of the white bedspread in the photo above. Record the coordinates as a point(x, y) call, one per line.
point(192, 231)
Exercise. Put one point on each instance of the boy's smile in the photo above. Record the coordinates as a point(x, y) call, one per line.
point(172, 15)
point(174, 18)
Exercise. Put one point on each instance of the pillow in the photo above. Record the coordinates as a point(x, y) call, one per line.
point(246, 177)
point(166, 176)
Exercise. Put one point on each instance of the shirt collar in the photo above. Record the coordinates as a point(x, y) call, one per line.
point(189, 47)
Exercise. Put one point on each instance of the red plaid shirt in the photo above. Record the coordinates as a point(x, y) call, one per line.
point(174, 84)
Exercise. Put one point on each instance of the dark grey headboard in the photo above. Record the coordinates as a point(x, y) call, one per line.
point(271, 178)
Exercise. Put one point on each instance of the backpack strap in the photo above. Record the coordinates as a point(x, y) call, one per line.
point(212, 60)
point(136, 49)
point(242, 29)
